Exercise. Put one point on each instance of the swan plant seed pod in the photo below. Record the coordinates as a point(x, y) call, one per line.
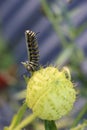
point(50, 93)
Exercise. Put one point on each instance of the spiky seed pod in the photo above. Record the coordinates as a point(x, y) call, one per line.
point(50, 94)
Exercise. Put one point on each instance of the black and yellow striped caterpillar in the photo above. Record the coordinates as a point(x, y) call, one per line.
point(33, 52)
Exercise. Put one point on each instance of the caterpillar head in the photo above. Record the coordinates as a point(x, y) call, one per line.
point(30, 66)
point(26, 65)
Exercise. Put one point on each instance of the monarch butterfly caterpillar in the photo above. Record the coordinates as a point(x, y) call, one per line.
point(33, 51)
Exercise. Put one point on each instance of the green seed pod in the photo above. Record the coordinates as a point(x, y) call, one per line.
point(50, 94)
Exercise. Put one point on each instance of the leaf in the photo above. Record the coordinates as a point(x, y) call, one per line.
point(17, 118)
point(82, 126)
point(81, 114)
point(6, 128)
point(20, 95)
point(65, 55)
point(26, 79)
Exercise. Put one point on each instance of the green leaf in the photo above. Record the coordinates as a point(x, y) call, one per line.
point(26, 79)
point(20, 95)
point(17, 118)
point(55, 22)
point(81, 114)
point(65, 55)
point(6, 128)
point(82, 126)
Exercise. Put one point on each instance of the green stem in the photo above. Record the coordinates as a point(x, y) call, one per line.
point(66, 18)
point(54, 23)
point(25, 122)
point(81, 29)
point(50, 125)
point(82, 112)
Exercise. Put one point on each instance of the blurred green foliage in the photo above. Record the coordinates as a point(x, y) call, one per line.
point(6, 58)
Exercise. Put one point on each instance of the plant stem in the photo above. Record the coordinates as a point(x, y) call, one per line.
point(50, 125)
point(54, 23)
point(25, 122)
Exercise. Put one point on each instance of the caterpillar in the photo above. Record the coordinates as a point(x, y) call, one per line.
point(33, 52)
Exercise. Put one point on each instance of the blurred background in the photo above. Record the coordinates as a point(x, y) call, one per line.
point(62, 41)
